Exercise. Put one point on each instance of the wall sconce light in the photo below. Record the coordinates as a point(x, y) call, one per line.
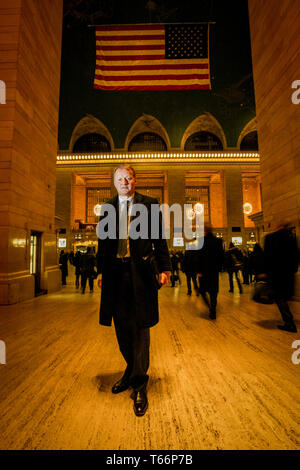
point(97, 210)
point(247, 208)
point(198, 208)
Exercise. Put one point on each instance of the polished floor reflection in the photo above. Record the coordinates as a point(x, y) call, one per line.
point(224, 384)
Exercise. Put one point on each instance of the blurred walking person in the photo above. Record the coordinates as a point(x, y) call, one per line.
point(188, 267)
point(87, 268)
point(76, 263)
point(282, 259)
point(63, 261)
point(233, 261)
point(208, 262)
point(256, 264)
point(175, 260)
point(245, 266)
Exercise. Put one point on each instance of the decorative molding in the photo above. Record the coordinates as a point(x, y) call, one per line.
point(205, 122)
point(147, 123)
point(90, 125)
point(9, 277)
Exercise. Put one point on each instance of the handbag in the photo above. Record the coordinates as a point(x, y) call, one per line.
point(263, 292)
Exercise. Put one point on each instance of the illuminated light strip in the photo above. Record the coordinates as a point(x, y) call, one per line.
point(59, 157)
point(172, 156)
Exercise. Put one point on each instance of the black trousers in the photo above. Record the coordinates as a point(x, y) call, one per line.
point(134, 342)
point(284, 309)
point(212, 302)
point(204, 289)
point(84, 277)
point(230, 274)
point(193, 277)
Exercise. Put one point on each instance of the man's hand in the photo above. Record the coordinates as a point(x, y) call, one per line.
point(199, 274)
point(99, 281)
point(164, 278)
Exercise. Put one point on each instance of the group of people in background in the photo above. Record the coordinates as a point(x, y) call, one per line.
point(85, 267)
point(277, 263)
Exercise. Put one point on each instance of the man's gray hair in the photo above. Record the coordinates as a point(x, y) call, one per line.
point(125, 166)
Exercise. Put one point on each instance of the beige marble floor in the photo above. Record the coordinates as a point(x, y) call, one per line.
point(228, 384)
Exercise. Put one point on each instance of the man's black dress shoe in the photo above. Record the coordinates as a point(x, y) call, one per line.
point(291, 328)
point(140, 405)
point(120, 386)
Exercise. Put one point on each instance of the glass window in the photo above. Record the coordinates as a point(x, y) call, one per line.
point(157, 193)
point(203, 141)
point(147, 141)
point(196, 194)
point(95, 196)
point(91, 143)
point(250, 141)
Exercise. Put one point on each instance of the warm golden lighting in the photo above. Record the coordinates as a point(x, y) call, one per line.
point(247, 207)
point(97, 210)
point(179, 156)
point(198, 208)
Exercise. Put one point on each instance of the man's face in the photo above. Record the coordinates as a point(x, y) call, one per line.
point(124, 182)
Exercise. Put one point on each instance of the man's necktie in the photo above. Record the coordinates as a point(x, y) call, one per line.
point(123, 229)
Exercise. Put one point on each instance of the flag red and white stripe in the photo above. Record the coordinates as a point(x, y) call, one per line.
point(133, 57)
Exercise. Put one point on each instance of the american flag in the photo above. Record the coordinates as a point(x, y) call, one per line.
point(152, 57)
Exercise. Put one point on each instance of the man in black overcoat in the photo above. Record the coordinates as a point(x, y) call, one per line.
point(208, 262)
point(281, 261)
point(129, 274)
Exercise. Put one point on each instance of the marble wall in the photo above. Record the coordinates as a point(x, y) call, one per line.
point(30, 43)
point(275, 32)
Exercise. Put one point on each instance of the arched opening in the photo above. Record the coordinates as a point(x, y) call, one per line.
point(249, 141)
point(92, 143)
point(203, 141)
point(147, 141)
point(207, 124)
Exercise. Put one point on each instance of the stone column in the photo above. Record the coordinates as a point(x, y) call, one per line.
point(234, 203)
point(30, 67)
point(176, 190)
point(275, 32)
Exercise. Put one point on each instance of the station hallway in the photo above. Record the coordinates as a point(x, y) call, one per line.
point(224, 384)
